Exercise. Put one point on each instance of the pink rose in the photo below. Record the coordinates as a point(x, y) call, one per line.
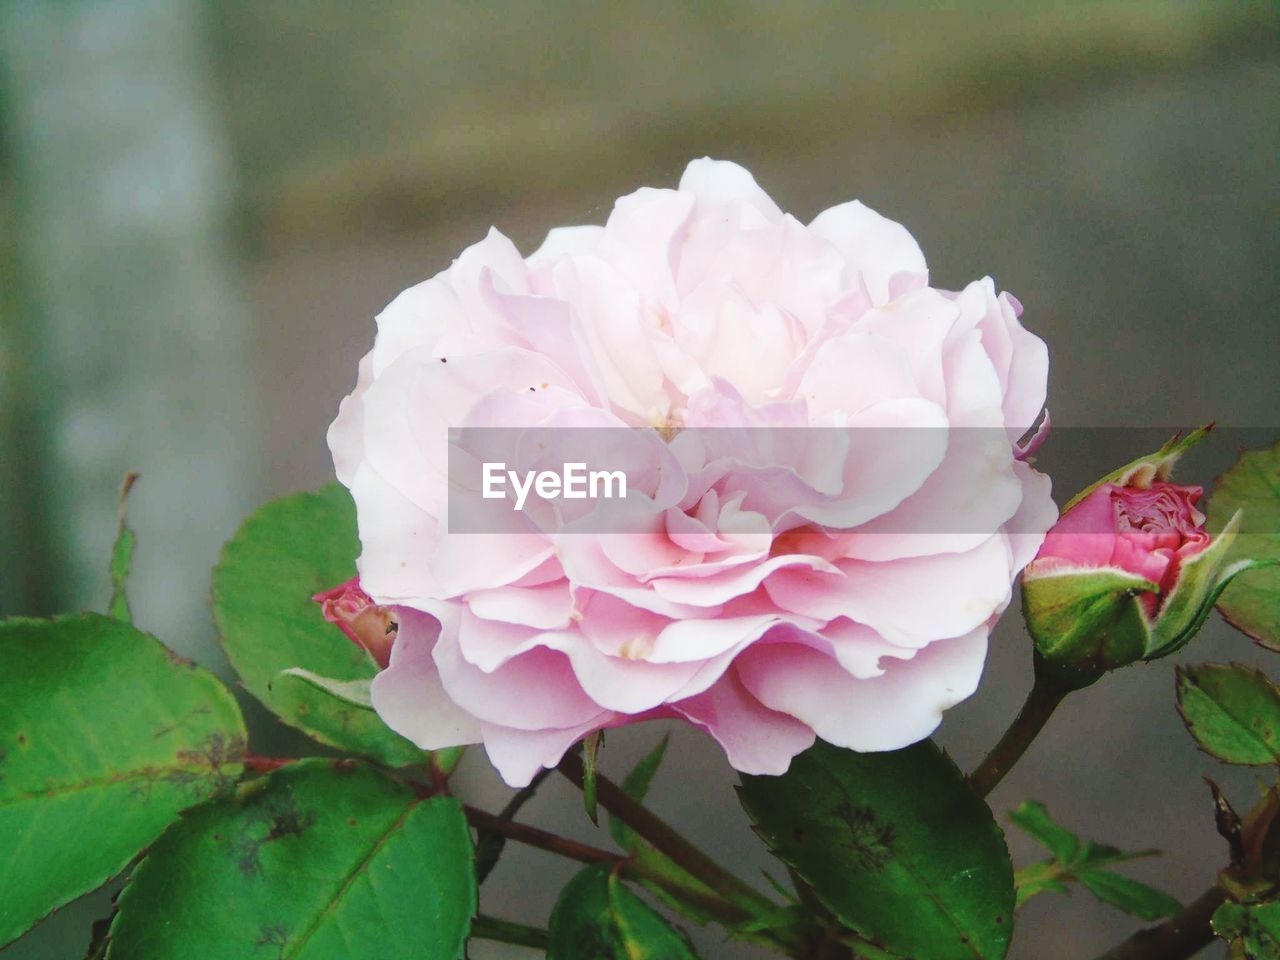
point(774, 594)
point(1144, 531)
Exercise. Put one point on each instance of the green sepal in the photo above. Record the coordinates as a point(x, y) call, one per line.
point(1201, 580)
point(1145, 471)
point(1085, 622)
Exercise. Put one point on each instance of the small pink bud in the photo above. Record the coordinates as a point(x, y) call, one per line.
point(1128, 573)
point(367, 624)
point(1148, 532)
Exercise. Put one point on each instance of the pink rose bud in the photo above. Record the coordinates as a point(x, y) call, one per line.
point(365, 623)
point(1128, 573)
point(1147, 532)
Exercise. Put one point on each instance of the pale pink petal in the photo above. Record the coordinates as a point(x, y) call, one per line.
point(755, 739)
point(518, 755)
point(894, 710)
point(876, 248)
point(346, 433)
point(534, 690)
point(719, 182)
point(408, 695)
point(910, 602)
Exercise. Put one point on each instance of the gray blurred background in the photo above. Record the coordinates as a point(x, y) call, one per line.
point(202, 206)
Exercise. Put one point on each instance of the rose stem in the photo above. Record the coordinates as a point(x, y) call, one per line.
point(1179, 937)
point(667, 841)
point(584, 853)
point(504, 931)
point(1039, 706)
point(489, 845)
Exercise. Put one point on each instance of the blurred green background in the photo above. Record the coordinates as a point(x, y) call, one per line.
point(202, 206)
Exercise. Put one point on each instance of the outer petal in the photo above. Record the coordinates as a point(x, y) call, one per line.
point(888, 712)
point(875, 247)
point(756, 740)
point(346, 433)
point(719, 182)
point(408, 695)
point(519, 754)
point(533, 691)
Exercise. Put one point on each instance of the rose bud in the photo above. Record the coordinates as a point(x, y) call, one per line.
point(365, 623)
point(1128, 573)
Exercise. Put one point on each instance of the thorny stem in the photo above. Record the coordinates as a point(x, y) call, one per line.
point(1178, 937)
point(489, 845)
point(585, 853)
point(667, 841)
point(504, 931)
point(1035, 713)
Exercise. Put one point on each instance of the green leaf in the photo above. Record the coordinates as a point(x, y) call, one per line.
point(1033, 817)
point(636, 785)
point(324, 859)
point(284, 554)
point(1252, 603)
point(1081, 861)
point(104, 736)
point(596, 916)
point(1129, 895)
point(122, 557)
point(355, 692)
point(895, 844)
point(1253, 930)
point(1233, 711)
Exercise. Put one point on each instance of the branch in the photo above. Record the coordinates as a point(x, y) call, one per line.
point(504, 931)
point(1178, 937)
point(667, 841)
point(714, 906)
point(1035, 713)
point(489, 845)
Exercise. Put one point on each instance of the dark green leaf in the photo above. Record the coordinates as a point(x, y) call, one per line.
point(1233, 711)
point(284, 554)
point(324, 859)
point(104, 736)
point(896, 845)
point(1252, 602)
point(122, 557)
point(1252, 930)
point(598, 917)
point(1129, 895)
